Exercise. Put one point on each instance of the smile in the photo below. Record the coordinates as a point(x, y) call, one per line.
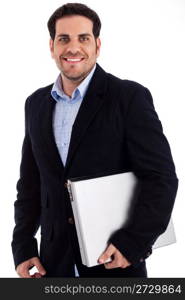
point(73, 60)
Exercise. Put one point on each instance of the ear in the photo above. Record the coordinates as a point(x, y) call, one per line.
point(51, 46)
point(98, 46)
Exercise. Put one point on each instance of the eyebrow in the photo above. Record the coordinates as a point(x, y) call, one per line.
point(67, 35)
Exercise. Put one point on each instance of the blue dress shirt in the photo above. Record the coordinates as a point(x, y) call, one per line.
point(65, 112)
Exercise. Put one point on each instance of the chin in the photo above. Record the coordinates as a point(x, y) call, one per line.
point(75, 77)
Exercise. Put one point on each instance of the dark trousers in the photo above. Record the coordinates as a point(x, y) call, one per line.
point(137, 270)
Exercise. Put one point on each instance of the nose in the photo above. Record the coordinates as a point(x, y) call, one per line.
point(73, 46)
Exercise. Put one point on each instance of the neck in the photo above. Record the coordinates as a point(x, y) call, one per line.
point(69, 86)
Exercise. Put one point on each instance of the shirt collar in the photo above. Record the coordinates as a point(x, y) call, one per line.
point(78, 94)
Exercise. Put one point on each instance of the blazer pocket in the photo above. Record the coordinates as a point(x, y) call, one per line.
point(46, 231)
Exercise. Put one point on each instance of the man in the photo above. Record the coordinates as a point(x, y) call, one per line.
point(88, 122)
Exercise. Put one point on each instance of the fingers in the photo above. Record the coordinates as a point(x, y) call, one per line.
point(36, 275)
point(107, 254)
point(23, 268)
point(39, 267)
point(24, 274)
point(119, 261)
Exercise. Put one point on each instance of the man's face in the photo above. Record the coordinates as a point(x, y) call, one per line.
point(75, 48)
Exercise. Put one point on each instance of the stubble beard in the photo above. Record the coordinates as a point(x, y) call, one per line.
point(76, 78)
point(79, 77)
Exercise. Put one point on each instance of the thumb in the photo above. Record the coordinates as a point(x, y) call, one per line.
point(107, 254)
point(39, 267)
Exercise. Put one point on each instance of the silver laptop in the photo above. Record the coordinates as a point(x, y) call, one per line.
point(101, 206)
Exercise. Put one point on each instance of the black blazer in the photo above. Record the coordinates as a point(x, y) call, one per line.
point(116, 130)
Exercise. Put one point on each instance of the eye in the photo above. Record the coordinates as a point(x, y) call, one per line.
point(64, 39)
point(84, 38)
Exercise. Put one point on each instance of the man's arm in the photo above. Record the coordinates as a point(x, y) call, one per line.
point(27, 205)
point(151, 161)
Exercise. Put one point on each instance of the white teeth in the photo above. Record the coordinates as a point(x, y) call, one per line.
point(74, 59)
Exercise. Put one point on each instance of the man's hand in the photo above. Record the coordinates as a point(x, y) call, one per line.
point(23, 268)
point(119, 261)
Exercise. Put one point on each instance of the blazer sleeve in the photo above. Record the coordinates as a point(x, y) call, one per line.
point(151, 160)
point(27, 205)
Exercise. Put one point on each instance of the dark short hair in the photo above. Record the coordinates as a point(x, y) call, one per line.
point(71, 9)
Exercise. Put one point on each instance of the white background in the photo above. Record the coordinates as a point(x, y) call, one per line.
point(142, 40)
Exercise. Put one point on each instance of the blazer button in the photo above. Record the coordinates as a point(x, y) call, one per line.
point(71, 221)
point(148, 254)
point(141, 259)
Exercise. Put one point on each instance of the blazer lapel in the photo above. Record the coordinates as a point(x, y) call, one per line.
point(91, 103)
point(49, 145)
